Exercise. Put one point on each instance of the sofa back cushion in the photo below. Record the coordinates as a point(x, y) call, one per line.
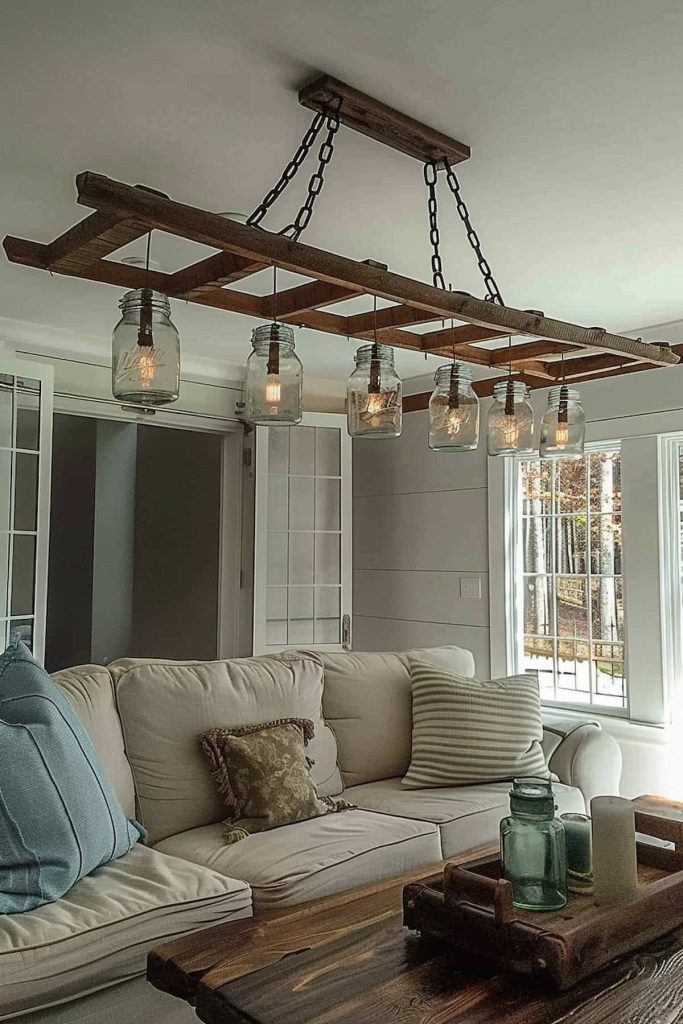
point(368, 703)
point(165, 706)
point(90, 692)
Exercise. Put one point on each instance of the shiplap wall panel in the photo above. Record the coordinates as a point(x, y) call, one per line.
point(376, 634)
point(420, 595)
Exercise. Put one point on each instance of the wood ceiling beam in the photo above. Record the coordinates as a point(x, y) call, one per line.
point(91, 239)
point(533, 350)
point(578, 367)
point(378, 121)
point(464, 334)
point(362, 325)
point(304, 297)
point(210, 229)
point(213, 272)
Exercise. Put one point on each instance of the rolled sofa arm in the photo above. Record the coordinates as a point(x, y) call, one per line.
point(581, 754)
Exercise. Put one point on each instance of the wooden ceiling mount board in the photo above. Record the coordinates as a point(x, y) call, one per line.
point(380, 122)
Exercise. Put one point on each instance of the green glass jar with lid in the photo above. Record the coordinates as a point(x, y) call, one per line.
point(532, 847)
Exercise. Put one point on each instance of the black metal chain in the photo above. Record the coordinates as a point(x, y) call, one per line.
point(492, 289)
point(430, 177)
point(330, 117)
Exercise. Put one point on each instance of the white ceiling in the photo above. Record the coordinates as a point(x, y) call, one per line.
point(573, 112)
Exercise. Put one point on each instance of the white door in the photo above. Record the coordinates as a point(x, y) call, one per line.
point(26, 391)
point(302, 559)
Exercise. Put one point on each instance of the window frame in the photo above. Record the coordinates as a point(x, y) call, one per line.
point(653, 632)
point(515, 592)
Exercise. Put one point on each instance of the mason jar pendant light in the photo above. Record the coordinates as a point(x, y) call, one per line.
point(374, 393)
point(453, 408)
point(145, 348)
point(563, 427)
point(511, 417)
point(274, 382)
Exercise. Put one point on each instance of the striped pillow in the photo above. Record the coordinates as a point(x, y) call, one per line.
point(466, 731)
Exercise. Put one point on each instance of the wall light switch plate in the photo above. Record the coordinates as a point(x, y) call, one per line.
point(470, 586)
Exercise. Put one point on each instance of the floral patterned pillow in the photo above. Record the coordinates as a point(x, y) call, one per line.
point(263, 775)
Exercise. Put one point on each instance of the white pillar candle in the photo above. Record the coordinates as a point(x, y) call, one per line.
point(615, 868)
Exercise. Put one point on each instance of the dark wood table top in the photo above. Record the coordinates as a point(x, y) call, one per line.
point(347, 959)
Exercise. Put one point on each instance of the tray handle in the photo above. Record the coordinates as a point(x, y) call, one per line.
point(465, 886)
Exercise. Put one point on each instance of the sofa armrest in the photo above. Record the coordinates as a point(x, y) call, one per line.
point(582, 755)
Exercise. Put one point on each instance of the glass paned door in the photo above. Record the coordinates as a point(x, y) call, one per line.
point(302, 566)
point(25, 463)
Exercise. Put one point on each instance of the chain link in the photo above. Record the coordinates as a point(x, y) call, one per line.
point(330, 117)
point(430, 177)
point(492, 289)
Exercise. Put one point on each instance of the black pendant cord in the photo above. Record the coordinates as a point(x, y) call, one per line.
point(430, 172)
point(375, 384)
point(330, 117)
point(454, 386)
point(563, 407)
point(273, 368)
point(510, 388)
point(145, 336)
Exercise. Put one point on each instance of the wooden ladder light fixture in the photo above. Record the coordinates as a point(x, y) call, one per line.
point(123, 213)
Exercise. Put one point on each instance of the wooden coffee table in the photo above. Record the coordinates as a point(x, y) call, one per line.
point(347, 959)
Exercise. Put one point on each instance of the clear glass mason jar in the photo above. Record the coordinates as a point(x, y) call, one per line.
point(532, 847)
point(563, 427)
point(453, 410)
point(145, 350)
point(374, 406)
point(510, 428)
point(274, 382)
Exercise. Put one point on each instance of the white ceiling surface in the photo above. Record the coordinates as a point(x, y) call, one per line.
point(572, 110)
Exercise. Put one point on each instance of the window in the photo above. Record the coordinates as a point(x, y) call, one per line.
point(570, 615)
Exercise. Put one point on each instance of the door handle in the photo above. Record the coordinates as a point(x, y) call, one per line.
point(346, 632)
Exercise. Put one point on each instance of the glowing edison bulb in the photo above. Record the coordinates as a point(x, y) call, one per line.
point(511, 430)
point(453, 421)
point(376, 404)
point(146, 364)
point(273, 389)
point(561, 435)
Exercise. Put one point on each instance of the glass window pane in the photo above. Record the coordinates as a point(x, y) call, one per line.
point(6, 410)
point(4, 573)
point(570, 486)
point(605, 481)
point(278, 450)
point(607, 609)
point(572, 607)
point(277, 558)
point(327, 451)
point(537, 606)
point(301, 557)
point(608, 666)
point(537, 544)
point(26, 492)
point(21, 629)
point(23, 575)
point(5, 489)
point(327, 505)
point(301, 503)
point(606, 544)
point(327, 558)
point(538, 657)
point(327, 615)
point(300, 630)
point(28, 420)
point(276, 615)
point(278, 503)
point(536, 487)
point(570, 545)
point(302, 450)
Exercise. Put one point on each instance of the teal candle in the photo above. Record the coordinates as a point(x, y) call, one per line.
point(577, 832)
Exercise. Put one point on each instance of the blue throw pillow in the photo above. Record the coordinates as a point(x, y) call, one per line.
point(59, 817)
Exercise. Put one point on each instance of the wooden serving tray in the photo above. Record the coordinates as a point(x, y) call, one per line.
point(472, 910)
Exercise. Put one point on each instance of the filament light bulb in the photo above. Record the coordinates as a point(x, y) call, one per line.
point(273, 389)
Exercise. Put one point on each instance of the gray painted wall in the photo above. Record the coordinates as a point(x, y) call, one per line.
point(113, 564)
point(420, 529)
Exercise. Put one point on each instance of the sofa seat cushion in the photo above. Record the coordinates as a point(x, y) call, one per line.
point(368, 702)
point(165, 706)
point(467, 816)
point(313, 858)
point(99, 934)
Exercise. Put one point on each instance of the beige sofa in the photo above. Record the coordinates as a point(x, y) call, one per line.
point(82, 959)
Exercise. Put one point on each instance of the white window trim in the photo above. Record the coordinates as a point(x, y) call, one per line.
point(652, 596)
